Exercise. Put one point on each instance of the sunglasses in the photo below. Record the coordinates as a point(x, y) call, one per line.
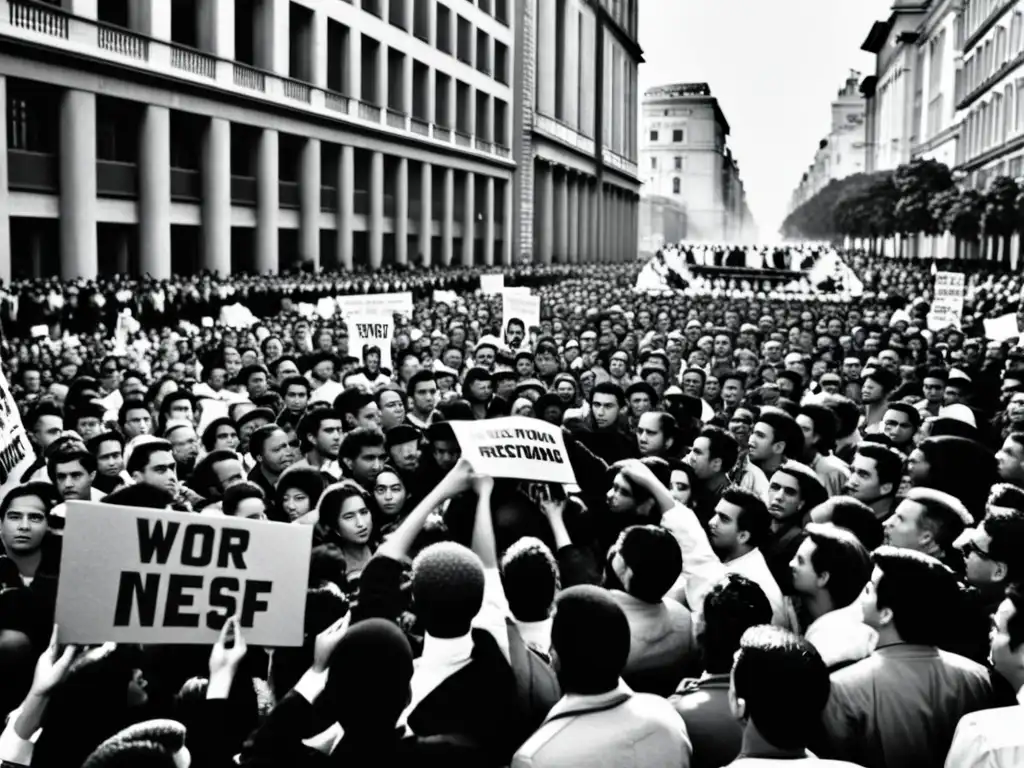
point(970, 547)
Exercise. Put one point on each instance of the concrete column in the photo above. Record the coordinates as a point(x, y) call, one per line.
point(376, 210)
point(346, 204)
point(469, 219)
point(432, 116)
point(489, 228)
point(309, 203)
point(151, 18)
point(547, 73)
point(402, 211)
point(448, 219)
point(354, 66)
point(268, 189)
point(507, 224)
point(381, 97)
point(453, 102)
point(562, 218)
point(426, 213)
point(155, 192)
point(583, 191)
point(78, 252)
point(546, 220)
point(318, 51)
point(5, 221)
point(407, 76)
point(217, 27)
point(217, 196)
point(574, 219)
point(601, 223)
point(471, 111)
point(571, 66)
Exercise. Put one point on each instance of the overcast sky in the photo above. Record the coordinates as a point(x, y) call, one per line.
point(774, 65)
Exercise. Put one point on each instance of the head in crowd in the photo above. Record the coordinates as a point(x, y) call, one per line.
point(793, 491)
point(529, 574)
point(590, 640)
point(741, 523)
point(646, 560)
point(731, 607)
point(830, 568)
point(875, 473)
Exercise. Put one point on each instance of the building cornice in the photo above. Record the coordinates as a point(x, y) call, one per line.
point(986, 85)
point(997, 13)
point(936, 16)
point(950, 133)
point(993, 154)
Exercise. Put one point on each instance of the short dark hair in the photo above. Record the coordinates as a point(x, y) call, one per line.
point(607, 388)
point(888, 463)
point(721, 445)
point(754, 517)
point(919, 590)
point(131, 404)
point(140, 455)
point(238, 493)
point(421, 376)
point(812, 490)
point(840, 554)
point(731, 607)
point(1015, 624)
point(67, 454)
point(590, 634)
point(45, 492)
point(847, 414)
point(826, 424)
point(1006, 495)
point(94, 443)
point(908, 410)
point(1005, 526)
point(295, 381)
point(529, 573)
point(944, 516)
point(770, 660)
point(362, 437)
point(784, 430)
point(858, 518)
point(260, 436)
point(655, 559)
point(310, 423)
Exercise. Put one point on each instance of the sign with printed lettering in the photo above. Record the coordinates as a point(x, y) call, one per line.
point(16, 454)
point(490, 284)
point(131, 575)
point(368, 332)
point(522, 306)
point(947, 301)
point(516, 446)
point(376, 304)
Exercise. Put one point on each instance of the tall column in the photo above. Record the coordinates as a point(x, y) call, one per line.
point(507, 223)
point(601, 223)
point(471, 126)
point(571, 66)
point(448, 219)
point(546, 220)
point(376, 210)
point(381, 97)
point(155, 192)
point(574, 219)
point(5, 220)
point(596, 241)
point(469, 219)
point(318, 50)
point(426, 214)
point(78, 251)
point(346, 204)
point(489, 221)
point(217, 196)
point(309, 203)
point(354, 66)
point(547, 71)
point(562, 217)
point(402, 211)
point(432, 116)
point(268, 188)
point(407, 77)
point(217, 27)
point(585, 241)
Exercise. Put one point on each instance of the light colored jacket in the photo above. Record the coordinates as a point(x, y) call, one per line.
point(620, 728)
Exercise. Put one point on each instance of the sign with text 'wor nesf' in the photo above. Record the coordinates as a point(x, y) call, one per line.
point(368, 331)
point(517, 447)
point(131, 575)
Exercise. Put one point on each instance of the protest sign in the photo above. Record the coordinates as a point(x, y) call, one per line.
point(515, 446)
point(947, 301)
point(1002, 328)
point(366, 331)
point(492, 283)
point(376, 304)
point(521, 306)
point(16, 454)
point(451, 298)
point(131, 575)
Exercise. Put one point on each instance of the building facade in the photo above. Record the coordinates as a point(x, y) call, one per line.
point(938, 48)
point(841, 153)
point(575, 141)
point(685, 158)
point(662, 220)
point(146, 136)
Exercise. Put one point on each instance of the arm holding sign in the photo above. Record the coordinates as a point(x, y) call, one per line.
point(576, 564)
point(494, 611)
point(206, 735)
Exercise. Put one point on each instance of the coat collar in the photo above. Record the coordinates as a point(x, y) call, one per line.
point(574, 704)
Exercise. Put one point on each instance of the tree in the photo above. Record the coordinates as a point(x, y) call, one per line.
point(865, 209)
point(916, 183)
point(999, 214)
point(815, 218)
point(963, 212)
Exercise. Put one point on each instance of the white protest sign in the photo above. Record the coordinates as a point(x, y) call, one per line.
point(1002, 328)
point(492, 283)
point(131, 575)
point(16, 454)
point(370, 331)
point(446, 297)
point(376, 304)
point(516, 446)
point(520, 306)
point(947, 302)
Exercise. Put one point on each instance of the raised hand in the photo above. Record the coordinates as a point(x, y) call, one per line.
point(327, 641)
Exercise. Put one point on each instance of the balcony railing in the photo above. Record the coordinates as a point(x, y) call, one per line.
point(619, 162)
point(249, 77)
point(77, 36)
point(123, 43)
point(193, 61)
point(564, 133)
point(293, 89)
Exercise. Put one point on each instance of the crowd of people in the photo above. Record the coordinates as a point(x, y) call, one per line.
point(796, 532)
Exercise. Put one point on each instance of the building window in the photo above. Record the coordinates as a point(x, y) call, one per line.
point(676, 186)
point(677, 136)
point(654, 135)
point(654, 163)
point(679, 163)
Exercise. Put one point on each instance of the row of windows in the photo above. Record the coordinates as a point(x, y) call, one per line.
point(987, 58)
point(976, 12)
point(678, 136)
point(677, 163)
point(993, 122)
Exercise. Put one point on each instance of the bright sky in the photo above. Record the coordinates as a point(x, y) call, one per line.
point(773, 65)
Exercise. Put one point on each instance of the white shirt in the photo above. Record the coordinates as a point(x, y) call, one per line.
point(842, 636)
point(992, 738)
point(536, 634)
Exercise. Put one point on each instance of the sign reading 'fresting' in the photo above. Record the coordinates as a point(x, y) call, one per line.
point(517, 447)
